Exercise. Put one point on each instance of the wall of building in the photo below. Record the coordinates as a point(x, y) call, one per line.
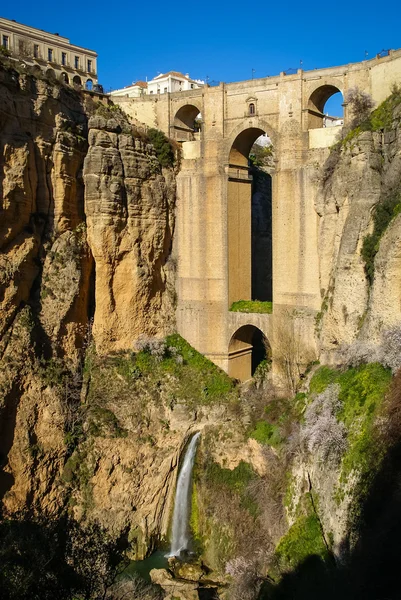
point(33, 45)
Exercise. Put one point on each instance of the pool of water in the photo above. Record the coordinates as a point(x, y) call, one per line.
point(157, 560)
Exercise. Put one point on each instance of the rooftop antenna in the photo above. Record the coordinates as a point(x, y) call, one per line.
point(366, 54)
point(253, 72)
point(301, 62)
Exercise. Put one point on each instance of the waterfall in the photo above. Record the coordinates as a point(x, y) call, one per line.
point(180, 538)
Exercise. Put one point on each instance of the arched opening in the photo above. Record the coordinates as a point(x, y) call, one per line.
point(187, 123)
point(249, 210)
point(251, 108)
point(89, 85)
point(325, 107)
point(64, 77)
point(248, 347)
point(77, 81)
point(50, 74)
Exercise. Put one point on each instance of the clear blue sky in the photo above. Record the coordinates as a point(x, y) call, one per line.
point(222, 40)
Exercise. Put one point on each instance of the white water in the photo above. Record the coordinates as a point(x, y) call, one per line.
point(180, 539)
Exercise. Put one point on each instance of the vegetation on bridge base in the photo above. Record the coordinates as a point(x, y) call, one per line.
point(252, 306)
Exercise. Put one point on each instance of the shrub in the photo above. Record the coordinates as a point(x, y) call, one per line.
point(360, 104)
point(156, 347)
point(383, 214)
point(391, 348)
point(321, 432)
point(162, 146)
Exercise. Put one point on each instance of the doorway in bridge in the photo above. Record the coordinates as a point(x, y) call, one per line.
point(187, 123)
point(247, 349)
point(326, 107)
point(249, 210)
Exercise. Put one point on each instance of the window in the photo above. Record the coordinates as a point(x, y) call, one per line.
point(76, 62)
point(89, 66)
point(251, 109)
point(6, 42)
point(50, 54)
point(151, 92)
point(165, 90)
point(64, 58)
point(36, 50)
point(192, 86)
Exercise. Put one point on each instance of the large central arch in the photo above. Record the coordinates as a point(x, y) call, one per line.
point(249, 215)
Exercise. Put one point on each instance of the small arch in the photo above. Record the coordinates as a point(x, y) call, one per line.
point(251, 108)
point(187, 122)
point(89, 85)
point(51, 74)
point(319, 104)
point(247, 348)
point(64, 77)
point(77, 81)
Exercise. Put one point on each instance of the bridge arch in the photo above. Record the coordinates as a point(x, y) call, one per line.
point(317, 102)
point(244, 136)
point(249, 220)
point(247, 348)
point(186, 122)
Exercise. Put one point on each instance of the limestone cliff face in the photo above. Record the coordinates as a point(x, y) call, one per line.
point(129, 205)
point(70, 251)
point(362, 174)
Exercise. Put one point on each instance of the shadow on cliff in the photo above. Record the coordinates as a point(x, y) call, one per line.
point(371, 569)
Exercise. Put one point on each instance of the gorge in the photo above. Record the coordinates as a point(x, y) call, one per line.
point(296, 478)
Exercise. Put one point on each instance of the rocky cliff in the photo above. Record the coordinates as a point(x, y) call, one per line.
point(87, 216)
point(361, 180)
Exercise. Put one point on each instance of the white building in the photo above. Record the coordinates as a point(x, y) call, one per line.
point(173, 81)
point(135, 90)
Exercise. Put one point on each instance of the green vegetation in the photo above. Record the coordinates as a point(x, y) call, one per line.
point(266, 433)
point(104, 423)
point(362, 391)
point(236, 479)
point(163, 147)
point(303, 539)
point(252, 306)
point(383, 214)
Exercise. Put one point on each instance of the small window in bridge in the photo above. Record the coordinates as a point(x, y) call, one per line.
point(251, 109)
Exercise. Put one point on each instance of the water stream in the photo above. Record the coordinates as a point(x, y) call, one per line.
point(181, 537)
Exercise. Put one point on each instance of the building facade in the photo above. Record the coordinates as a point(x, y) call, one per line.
point(165, 83)
point(50, 53)
point(135, 90)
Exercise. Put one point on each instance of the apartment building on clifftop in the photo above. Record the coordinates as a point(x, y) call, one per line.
point(50, 53)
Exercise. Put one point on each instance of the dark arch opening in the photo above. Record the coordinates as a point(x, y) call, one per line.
point(64, 77)
point(187, 122)
point(89, 84)
point(325, 107)
point(250, 246)
point(51, 74)
point(247, 349)
point(77, 81)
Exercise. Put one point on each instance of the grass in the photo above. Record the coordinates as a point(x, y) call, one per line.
point(252, 306)
point(303, 539)
point(266, 433)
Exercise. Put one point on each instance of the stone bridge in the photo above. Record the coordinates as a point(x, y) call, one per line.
point(218, 260)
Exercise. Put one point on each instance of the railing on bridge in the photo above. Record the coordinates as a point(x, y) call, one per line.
point(238, 173)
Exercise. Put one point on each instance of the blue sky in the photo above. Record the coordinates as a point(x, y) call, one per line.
point(222, 40)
